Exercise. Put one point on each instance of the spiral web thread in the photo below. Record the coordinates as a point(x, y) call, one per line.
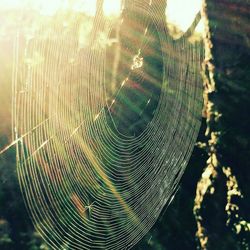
point(98, 163)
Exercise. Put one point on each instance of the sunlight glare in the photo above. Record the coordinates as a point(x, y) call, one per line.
point(10, 4)
point(87, 7)
point(49, 8)
point(182, 13)
point(46, 8)
point(112, 7)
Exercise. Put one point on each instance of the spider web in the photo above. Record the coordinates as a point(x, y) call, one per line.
point(106, 112)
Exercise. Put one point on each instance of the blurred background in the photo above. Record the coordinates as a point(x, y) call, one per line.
point(211, 208)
